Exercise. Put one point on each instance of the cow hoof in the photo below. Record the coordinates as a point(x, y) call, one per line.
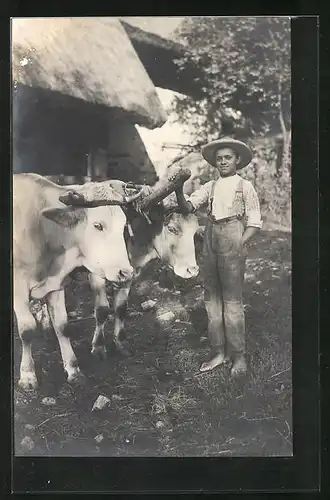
point(76, 378)
point(28, 381)
point(124, 351)
point(99, 352)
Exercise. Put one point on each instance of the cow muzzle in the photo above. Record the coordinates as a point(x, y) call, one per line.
point(123, 275)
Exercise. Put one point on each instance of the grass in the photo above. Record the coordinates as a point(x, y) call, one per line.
point(160, 404)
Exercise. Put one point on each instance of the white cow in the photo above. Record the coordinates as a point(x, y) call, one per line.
point(50, 239)
point(162, 230)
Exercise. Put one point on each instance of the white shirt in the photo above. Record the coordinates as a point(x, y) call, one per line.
point(223, 199)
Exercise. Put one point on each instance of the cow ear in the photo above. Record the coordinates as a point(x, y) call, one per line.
point(66, 216)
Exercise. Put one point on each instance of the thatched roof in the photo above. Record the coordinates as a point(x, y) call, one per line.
point(87, 58)
point(158, 56)
point(140, 35)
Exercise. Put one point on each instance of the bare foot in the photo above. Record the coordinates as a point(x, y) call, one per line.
point(239, 367)
point(217, 360)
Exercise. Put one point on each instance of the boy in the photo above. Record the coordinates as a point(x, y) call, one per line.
point(233, 219)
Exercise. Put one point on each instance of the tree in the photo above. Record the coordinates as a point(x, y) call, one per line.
point(245, 77)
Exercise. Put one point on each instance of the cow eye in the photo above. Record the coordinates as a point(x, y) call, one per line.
point(172, 230)
point(98, 226)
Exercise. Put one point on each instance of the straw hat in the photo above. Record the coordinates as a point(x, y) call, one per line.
point(243, 151)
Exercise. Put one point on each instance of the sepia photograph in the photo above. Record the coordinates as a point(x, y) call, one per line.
point(151, 201)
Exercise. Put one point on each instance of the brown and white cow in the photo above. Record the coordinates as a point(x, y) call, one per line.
point(158, 228)
point(50, 239)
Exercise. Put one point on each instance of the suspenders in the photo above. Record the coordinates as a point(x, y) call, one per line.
point(211, 199)
point(238, 203)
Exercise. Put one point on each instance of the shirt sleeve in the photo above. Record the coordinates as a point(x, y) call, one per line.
point(252, 206)
point(200, 196)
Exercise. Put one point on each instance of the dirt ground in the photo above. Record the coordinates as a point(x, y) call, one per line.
point(160, 404)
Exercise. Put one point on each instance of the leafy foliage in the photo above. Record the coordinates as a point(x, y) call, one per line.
point(245, 79)
point(272, 184)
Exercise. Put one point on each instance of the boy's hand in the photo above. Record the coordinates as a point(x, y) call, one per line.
point(249, 232)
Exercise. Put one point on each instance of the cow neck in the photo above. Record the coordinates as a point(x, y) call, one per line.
point(60, 267)
point(145, 229)
point(141, 254)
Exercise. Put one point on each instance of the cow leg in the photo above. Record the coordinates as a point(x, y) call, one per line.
point(120, 308)
point(101, 313)
point(61, 267)
point(26, 328)
point(58, 315)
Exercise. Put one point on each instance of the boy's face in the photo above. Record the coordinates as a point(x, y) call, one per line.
point(226, 161)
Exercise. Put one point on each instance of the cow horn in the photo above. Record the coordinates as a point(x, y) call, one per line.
point(174, 181)
point(94, 194)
